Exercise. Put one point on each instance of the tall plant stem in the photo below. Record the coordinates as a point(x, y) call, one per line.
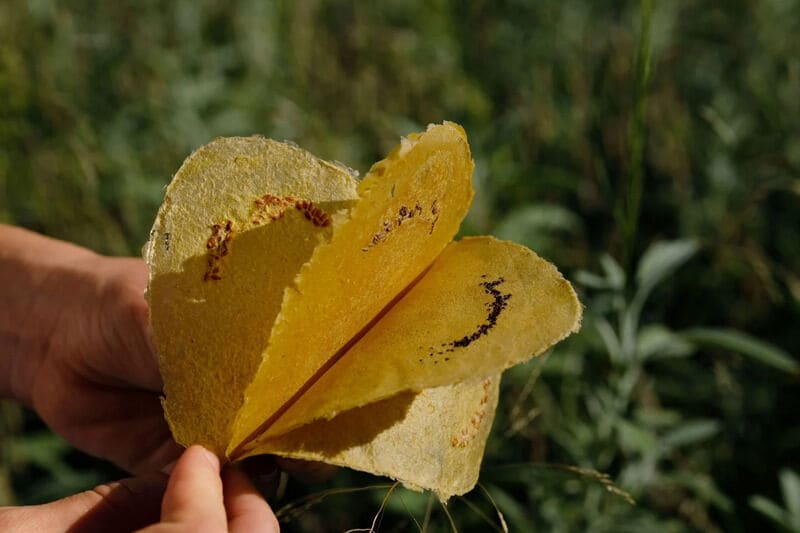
point(630, 203)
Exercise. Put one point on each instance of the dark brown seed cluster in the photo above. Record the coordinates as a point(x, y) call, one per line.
point(404, 213)
point(495, 306)
point(313, 213)
point(217, 246)
point(435, 214)
point(265, 208)
point(271, 207)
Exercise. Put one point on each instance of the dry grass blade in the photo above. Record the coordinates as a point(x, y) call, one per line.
point(428, 512)
point(416, 522)
point(292, 510)
point(449, 516)
point(379, 514)
point(588, 474)
point(600, 477)
point(518, 419)
point(496, 508)
point(477, 510)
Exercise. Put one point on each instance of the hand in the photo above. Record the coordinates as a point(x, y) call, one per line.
point(98, 383)
point(74, 346)
point(197, 499)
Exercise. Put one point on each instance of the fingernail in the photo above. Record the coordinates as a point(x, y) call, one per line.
point(211, 458)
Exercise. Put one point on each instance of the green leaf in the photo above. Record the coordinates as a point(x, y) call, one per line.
point(636, 439)
point(790, 486)
point(610, 340)
point(615, 274)
point(657, 342)
point(661, 259)
point(629, 329)
point(772, 511)
point(43, 449)
point(592, 280)
point(742, 343)
point(657, 417)
point(690, 433)
point(539, 226)
point(704, 487)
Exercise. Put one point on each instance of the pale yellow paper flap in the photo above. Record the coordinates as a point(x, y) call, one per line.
point(435, 441)
point(234, 229)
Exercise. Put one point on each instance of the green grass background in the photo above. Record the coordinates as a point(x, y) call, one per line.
point(651, 150)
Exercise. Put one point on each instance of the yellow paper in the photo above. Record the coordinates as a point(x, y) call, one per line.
point(410, 207)
point(295, 314)
point(483, 306)
point(210, 332)
point(432, 440)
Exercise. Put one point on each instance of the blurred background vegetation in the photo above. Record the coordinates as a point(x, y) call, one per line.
point(651, 151)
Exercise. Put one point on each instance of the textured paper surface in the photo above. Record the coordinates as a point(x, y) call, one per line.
point(210, 333)
point(299, 312)
point(410, 207)
point(432, 440)
point(483, 306)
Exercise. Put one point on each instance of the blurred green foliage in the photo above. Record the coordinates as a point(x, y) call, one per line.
point(682, 386)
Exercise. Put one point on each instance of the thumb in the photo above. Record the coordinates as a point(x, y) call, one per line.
point(194, 497)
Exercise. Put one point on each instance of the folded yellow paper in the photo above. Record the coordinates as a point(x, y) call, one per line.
point(299, 312)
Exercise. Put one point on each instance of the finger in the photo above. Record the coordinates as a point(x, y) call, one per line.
point(132, 329)
point(194, 494)
point(122, 323)
point(108, 418)
point(119, 506)
point(247, 510)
